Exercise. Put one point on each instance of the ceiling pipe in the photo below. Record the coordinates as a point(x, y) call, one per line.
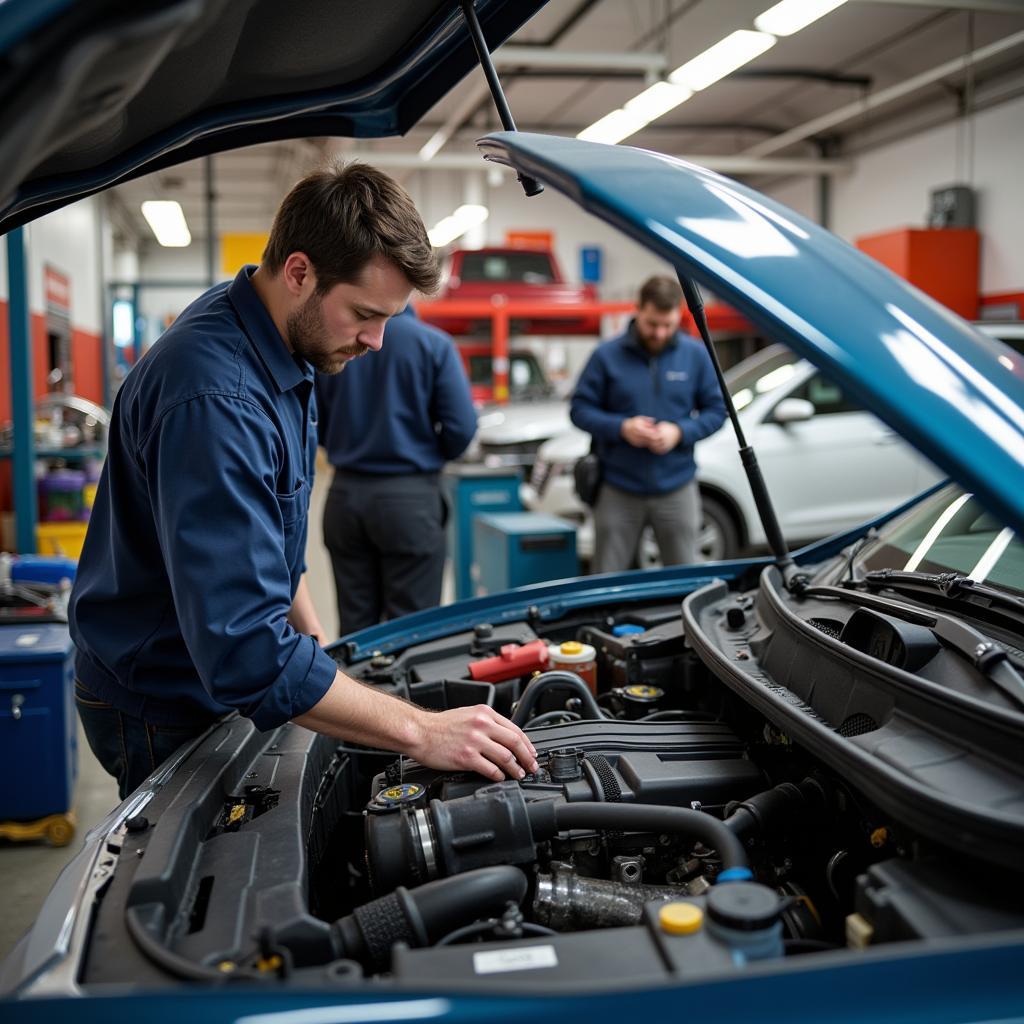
point(570, 60)
point(883, 96)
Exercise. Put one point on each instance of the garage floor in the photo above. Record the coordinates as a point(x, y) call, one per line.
point(29, 869)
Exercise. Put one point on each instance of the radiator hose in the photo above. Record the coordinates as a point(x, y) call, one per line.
point(555, 680)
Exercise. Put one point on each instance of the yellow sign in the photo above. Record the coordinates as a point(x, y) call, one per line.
point(240, 248)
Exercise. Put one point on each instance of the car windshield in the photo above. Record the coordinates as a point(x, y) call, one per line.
point(524, 373)
point(762, 372)
point(524, 267)
point(949, 532)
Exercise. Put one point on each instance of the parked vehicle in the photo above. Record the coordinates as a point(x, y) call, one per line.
point(797, 790)
point(526, 376)
point(521, 275)
point(830, 463)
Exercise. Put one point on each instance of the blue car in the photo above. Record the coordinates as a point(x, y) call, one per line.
point(793, 788)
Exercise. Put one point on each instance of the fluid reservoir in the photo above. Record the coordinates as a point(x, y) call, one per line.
point(573, 656)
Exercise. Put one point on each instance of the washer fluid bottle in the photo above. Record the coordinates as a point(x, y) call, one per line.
point(572, 656)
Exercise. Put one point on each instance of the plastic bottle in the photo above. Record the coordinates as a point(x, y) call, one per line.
point(572, 656)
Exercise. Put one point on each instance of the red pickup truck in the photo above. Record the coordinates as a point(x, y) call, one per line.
point(522, 275)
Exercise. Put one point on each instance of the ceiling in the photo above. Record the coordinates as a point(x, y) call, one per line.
point(853, 54)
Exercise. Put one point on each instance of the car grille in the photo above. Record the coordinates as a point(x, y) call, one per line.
point(540, 475)
point(518, 453)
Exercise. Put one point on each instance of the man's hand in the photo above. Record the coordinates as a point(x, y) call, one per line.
point(475, 739)
point(666, 437)
point(639, 431)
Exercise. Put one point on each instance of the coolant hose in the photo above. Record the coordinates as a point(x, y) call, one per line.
point(555, 680)
point(423, 915)
point(548, 817)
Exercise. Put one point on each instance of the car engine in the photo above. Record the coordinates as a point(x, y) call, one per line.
point(670, 831)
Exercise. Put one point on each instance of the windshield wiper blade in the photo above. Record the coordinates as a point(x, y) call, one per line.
point(953, 585)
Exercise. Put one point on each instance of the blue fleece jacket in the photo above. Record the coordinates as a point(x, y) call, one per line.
point(405, 409)
point(621, 379)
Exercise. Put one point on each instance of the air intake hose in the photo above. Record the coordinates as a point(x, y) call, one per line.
point(423, 915)
point(555, 680)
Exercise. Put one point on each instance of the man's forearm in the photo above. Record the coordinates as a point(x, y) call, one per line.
point(303, 617)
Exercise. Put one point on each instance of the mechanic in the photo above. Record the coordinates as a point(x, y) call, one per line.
point(389, 424)
point(646, 398)
point(190, 600)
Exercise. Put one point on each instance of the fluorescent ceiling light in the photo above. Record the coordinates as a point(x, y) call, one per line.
point(613, 127)
point(167, 221)
point(722, 59)
point(447, 229)
point(790, 16)
point(659, 99)
point(433, 144)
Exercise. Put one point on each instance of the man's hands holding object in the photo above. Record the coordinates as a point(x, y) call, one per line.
point(644, 432)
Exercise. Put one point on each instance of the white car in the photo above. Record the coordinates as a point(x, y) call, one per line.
point(829, 465)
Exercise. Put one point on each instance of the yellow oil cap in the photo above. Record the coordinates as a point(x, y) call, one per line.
point(571, 647)
point(680, 918)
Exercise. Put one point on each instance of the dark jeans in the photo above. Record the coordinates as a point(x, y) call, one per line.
point(129, 748)
point(385, 535)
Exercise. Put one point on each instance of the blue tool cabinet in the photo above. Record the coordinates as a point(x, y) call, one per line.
point(514, 549)
point(38, 740)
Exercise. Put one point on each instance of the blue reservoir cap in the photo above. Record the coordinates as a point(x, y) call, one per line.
point(627, 629)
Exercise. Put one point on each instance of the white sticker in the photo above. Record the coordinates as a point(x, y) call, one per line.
point(527, 958)
point(27, 639)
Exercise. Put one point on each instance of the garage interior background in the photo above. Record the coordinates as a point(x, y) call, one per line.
point(854, 121)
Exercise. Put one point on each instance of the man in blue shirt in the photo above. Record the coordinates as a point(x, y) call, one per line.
point(190, 599)
point(646, 398)
point(389, 424)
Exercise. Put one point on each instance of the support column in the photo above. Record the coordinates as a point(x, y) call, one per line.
point(25, 504)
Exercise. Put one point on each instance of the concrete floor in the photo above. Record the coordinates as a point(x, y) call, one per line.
point(29, 869)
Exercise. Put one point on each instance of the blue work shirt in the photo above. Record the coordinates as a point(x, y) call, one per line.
point(197, 537)
point(622, 379)
point(405, 409)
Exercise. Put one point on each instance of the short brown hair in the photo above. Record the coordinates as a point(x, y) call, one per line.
point(342, 217)
point(661, 292)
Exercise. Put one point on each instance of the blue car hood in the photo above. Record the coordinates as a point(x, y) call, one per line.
point(95, 92)
point(957, 396)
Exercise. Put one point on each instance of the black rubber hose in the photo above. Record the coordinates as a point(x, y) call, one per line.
point(425, 914)
point(555, 680)
point(548, 817)
point(776, 808)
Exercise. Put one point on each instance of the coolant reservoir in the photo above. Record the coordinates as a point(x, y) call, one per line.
point(572, 656)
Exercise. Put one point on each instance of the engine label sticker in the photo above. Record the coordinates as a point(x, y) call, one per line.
point(501, 961)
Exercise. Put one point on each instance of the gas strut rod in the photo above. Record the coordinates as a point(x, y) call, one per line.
point(765, 509)
point(531, 186)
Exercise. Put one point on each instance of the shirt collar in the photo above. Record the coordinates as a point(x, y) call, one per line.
point(286, 369)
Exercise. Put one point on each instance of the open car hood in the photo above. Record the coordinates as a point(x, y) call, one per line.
point(95, 92)
point(954, 394)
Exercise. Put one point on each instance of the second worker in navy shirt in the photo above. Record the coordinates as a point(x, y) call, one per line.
point(388, 425)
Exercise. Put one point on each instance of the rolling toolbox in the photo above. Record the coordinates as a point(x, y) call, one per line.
point(514, 549)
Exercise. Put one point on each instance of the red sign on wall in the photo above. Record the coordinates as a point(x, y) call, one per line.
point(56, 291)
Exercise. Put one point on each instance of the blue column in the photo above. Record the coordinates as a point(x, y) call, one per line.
point(25, 506)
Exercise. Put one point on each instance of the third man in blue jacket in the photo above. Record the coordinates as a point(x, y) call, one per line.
point(389, 424)
point(646, 398)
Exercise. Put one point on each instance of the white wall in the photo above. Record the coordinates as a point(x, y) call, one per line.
point(889, 188)
point(157, 263)
point(70, 241)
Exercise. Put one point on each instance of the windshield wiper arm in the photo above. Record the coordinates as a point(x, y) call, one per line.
point(953, 585)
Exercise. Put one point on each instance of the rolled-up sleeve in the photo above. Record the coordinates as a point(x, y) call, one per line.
point(226, 526)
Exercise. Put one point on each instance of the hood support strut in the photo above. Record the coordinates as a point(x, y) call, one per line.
point(531, 186)
point(763, 501)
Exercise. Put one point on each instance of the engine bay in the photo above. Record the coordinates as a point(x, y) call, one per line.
point(674, 828)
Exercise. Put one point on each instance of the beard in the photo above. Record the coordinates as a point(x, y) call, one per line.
point(308, 337)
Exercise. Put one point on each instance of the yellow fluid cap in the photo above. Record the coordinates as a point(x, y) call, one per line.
point(680, 918)
point(571, 647)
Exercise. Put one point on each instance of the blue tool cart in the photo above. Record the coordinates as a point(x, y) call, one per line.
point(470, 490)
point(514, 549)
point(38, 740)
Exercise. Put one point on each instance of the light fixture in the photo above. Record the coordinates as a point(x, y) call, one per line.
point(659, 99)
point(790, 16)
point(613, 127)
point(430, 148)
point(447, 229)
point(166, 219)
point(732, 52)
